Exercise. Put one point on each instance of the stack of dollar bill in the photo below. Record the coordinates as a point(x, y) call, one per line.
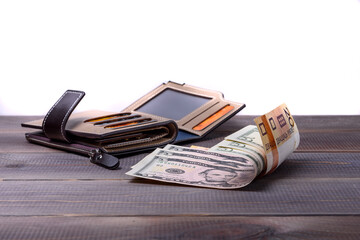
point(235, 162)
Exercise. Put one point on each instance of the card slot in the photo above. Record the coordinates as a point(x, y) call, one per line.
point(213, 118)
point(130, 122)
point(107, 117)
point(118, 119)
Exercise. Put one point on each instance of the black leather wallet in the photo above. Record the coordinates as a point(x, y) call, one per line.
point(170, 113)
point(101, 142)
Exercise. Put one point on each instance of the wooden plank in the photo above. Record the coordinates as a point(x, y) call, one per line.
point(318, 166)
point(330, 122)
point(304, 123)
point(325, 138)
point(16, 143)
point(51, 194)
point(60, 165)
point(347, 141)
point(329, 142)
point(271, 197)
point(185, 227)
point(309, 142)
point(13, 123)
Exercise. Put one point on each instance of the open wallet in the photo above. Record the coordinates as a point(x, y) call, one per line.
point(171, 113)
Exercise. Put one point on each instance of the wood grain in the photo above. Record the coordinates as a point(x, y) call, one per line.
point(314, 194)
point(133, 197)
point(60, 165)
point(181, 227)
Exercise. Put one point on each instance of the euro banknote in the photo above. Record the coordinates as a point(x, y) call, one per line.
point(279, 134)
point(274, 137)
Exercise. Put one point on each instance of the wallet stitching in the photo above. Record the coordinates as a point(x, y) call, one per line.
point(49, 112)
point(68, 112)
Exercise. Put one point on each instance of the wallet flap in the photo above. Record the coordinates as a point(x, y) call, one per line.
point(54, 123)
point(85, 124)
point(196, 111)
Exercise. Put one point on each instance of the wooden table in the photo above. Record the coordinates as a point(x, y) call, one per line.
point(314, 194)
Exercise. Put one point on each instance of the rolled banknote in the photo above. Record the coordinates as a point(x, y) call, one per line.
point(246, 141)
point(279, 135)
point(234, 162)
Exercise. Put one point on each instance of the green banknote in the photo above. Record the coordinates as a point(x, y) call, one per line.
point(253, 151)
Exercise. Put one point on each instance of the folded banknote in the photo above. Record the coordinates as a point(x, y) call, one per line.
point(253, 151)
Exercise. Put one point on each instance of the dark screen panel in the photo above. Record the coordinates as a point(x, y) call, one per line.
point(173, 104)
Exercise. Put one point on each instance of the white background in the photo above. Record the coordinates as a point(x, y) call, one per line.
point(262, 53)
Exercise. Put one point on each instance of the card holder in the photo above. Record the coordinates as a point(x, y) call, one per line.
point(120, 120)
point(170, 113)
point(196, 111)
point(123, 133)
point(102, 137)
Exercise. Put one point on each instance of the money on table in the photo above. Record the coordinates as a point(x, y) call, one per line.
point(251, 152)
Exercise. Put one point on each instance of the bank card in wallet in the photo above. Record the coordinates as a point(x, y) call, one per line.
point(170, 113)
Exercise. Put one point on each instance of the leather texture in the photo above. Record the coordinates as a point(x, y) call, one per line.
point(96, 156)
point(55, 120)
point(101, 144)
